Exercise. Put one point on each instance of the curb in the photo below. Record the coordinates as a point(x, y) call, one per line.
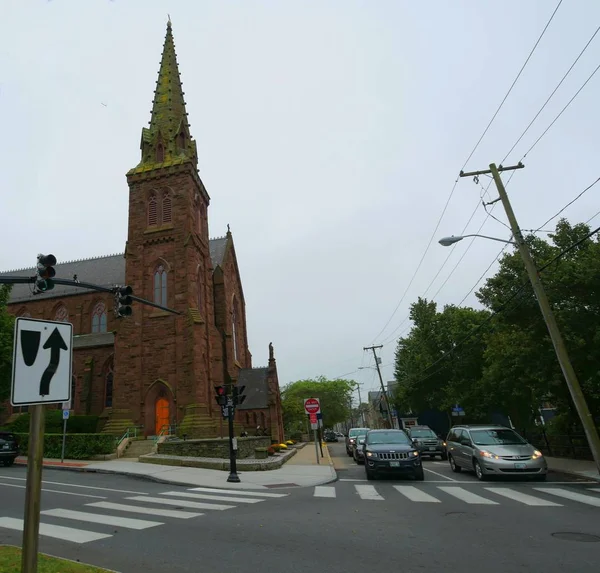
point(575, 474)
point(332, 467)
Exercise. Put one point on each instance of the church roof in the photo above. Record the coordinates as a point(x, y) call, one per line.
point(257, 388)
point(105, 271)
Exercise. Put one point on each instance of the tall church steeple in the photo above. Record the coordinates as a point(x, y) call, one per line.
point(167, 141)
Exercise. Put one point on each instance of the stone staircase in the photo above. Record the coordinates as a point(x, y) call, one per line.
point(137, 448)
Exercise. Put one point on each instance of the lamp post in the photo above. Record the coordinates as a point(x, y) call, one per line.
point(448, 241)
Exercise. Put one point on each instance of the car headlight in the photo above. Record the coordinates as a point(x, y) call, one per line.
point(536, 454)
point(414, 453)
point(486, 454)
point(371, 455)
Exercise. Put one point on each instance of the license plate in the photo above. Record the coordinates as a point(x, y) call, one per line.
point(394, 464)
point(432, 449)
point(520, 466)
point(6, 446)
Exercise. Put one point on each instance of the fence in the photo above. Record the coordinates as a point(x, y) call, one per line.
point(562, 446)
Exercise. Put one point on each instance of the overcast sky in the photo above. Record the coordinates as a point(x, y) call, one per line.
point(329, 135)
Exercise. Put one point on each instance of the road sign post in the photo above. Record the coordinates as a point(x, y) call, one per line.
point(41, 374)
point(312, 406)
point(66, 414)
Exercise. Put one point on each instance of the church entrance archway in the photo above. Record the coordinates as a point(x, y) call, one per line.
point(159, 408)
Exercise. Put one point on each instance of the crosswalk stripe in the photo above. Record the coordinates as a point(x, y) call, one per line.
point(145, 510)
point(415, 494)
point(215, 497)
point(115, 520)
point(595, 489)
point(239, 492)
point(587, 499)
point(56, 531)
point(181, 503)
point(466, 496)
point(324, 491)
point(521, 497)
point(368, 492)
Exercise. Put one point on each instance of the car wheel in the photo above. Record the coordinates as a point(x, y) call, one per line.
point(370, 475)
point(456, 469)
point(444, 456)
point(9, 463)
point(478, 471)
point(420, 475)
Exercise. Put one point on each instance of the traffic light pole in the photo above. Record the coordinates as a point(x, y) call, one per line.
point(581, 406)
point(233, 476)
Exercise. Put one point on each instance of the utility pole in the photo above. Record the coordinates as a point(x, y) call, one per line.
point(559, 345)
point(360, 412)
point(389, 413)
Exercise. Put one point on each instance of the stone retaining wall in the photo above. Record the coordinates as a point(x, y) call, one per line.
point(213, 448)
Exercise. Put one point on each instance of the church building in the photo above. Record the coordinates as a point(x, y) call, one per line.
point(156, 369)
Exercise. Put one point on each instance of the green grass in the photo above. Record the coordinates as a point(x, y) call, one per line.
point(10, 562)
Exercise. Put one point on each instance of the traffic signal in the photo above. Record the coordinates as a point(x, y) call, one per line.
point(45, 272)
point(238, 395)
point(221, 396)
point(123, 301)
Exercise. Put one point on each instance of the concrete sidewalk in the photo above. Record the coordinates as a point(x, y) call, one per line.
point(301, 471)
point(581, 468)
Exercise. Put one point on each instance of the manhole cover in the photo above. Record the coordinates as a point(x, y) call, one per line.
point(573, 536)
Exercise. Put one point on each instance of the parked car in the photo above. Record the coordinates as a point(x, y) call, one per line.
point(9, 448)
point(427, 441)
point(493, 450)
point(330, 436)
point(391, 452)
point(351, 438)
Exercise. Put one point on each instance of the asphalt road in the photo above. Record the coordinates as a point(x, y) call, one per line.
point(349, 526)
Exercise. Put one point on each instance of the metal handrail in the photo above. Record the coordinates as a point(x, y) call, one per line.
point(168, 428)
point(131, 432)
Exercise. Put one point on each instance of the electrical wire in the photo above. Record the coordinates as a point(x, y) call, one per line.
point(552, 94)
point(463, 167)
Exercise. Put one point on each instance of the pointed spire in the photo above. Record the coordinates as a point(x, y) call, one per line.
point(167, 140)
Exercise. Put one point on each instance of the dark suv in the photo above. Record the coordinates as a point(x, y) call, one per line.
point(9, 448)
point(391, 452)
point(427, 441)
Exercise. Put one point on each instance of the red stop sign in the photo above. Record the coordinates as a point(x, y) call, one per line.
point(312, 405)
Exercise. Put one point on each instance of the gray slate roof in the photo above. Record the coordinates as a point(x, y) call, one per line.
point(257, 389)
point(105, 271)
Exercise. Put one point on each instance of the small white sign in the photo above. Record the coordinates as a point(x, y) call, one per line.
point(66, 405)
point(314, 426)
point(42, 358)
point(234, 440)
point(66, 414)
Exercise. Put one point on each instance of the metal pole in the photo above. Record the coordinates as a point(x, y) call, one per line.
point(316, 447)
point(559, 346)
point(62, 455)
point(389, 414)
point(360, 412)
point(33, 490)
point(233, 476)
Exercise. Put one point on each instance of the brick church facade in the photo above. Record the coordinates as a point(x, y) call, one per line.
point(157, 368)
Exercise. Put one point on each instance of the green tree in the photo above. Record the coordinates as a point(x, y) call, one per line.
point(335, 397)
point(6, 343)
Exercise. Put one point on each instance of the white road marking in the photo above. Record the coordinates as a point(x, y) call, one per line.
point(587, 499)
point(182, 503)
point(437, 474)
point(82, 486)
point(324, 491)
point(368, 492)
point(145, 510)
point(521, 497)
point(238, 492)
point(115, 520)
point(347, 479)
point(467, 496)
point(415, 494)
point(56, 491)
point(211, 497)
point(56, 531)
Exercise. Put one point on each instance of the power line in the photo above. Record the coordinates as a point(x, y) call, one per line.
point(552, 94)
point(463, 167)
point(568, 204)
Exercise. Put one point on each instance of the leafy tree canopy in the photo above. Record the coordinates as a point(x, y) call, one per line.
point(6, 343)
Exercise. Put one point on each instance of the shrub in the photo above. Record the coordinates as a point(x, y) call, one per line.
point(296, 436)
point(54, 424)
point(271, 451)
point(77, 446)
point(275, 447)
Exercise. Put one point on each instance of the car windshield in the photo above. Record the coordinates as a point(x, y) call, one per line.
point(388, 438)
point(356, 432)
point(422, 434)
point(504, 437)
point(361, 437)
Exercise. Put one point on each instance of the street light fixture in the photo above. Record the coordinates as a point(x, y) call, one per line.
point(447, 241)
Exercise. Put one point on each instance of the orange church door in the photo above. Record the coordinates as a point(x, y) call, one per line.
point(162, 414)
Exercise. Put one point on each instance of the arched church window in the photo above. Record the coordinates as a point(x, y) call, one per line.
point(181, 140)
point(160, 153)
point(62, 314)
point(234, 320)
point(152, 211)
point(160, 286)
point(99, 318)
point(166, 208)
point(199, 287)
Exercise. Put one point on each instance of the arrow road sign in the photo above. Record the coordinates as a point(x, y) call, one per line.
point(42, 361)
